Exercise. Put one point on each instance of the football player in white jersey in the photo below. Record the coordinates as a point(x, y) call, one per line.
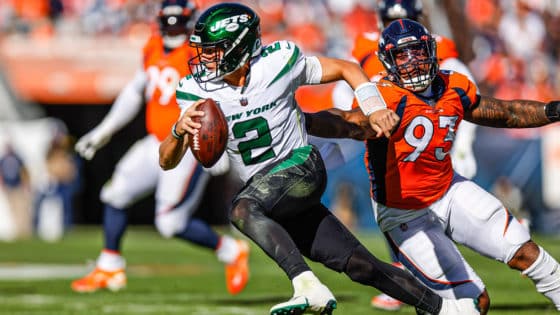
point(177, 193)
point(284, 177)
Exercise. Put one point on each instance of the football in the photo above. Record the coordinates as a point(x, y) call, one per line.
point(209, 143)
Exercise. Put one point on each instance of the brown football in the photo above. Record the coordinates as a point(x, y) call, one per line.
point(209, 143)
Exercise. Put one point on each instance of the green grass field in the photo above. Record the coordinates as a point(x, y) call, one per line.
point(170, 277)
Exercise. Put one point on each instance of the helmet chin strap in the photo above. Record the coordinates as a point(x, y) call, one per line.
point(173, 42)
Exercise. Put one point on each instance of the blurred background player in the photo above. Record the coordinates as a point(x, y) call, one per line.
point(365, 52)
point(177, 192)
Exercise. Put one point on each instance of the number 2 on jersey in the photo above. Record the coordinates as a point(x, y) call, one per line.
point(263, 140)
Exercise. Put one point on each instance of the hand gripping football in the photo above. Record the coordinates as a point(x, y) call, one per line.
point(209, 143)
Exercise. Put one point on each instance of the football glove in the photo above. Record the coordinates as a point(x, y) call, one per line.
point(92, 141)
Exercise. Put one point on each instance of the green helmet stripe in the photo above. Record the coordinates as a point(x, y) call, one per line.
point(291, 62)
point(187, 96)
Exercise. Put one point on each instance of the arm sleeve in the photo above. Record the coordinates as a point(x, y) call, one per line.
point(343, 95)
point(313, 70)
point(126, 106)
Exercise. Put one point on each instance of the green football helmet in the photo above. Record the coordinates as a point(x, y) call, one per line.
point(229, 27)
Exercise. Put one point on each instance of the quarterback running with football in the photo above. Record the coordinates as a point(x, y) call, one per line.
point(177, 192)
point(421, 204)
point(284, 177)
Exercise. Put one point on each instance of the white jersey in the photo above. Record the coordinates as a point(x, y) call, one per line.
point(265, 123)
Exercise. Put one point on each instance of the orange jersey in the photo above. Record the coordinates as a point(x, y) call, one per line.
point(412, 169)
point(164, 70)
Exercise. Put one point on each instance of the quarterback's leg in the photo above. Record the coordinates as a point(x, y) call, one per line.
point(135, 175)
point(178, 195)
point(478, 220)
point(277, 194)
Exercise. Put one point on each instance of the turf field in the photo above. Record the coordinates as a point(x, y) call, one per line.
point(169, 277)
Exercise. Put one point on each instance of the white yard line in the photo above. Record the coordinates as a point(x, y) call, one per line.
point(40, 271)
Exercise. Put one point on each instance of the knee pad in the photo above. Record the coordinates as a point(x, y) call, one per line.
point(242, 210)
point(169, 224)
point(112, 195)
point(513, 234)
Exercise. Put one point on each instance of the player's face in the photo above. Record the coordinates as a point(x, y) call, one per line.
point(210, 56)
point(411, 61)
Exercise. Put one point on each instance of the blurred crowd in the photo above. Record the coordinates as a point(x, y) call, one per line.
point(511, 46)
point(515, 43)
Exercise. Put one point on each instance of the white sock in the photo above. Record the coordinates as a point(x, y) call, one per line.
point(110, 261)
point(228, 250)
point(545, 273)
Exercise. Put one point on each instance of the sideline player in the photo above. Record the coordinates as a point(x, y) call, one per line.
point(279, 207)
point(423, 206)
point(177, 192)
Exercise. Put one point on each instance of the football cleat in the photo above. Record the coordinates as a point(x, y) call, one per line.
point(237, 272)
point(299, 305)
point(295, 306)
point(100, 279)
point(310, 296)
point(386, 302)
point(320, 299)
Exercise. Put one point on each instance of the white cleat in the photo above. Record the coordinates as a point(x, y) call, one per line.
point(320, 299)
point(294, 306)
point(317, 299)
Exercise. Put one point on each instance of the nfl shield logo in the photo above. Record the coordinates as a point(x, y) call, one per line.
point(243, 101)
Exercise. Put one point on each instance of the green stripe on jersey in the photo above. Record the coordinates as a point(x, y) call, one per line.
point(298, 157)
point(187, 96)
point(291, 62)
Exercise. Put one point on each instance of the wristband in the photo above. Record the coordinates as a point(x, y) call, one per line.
point(552, 110)
point(175, 134)
point(369, 98)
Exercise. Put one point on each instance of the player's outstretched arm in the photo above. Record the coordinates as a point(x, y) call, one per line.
point(381, 120)
point(498, 113)
point(336, 123)
point(126, 106)
point(175, 145)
